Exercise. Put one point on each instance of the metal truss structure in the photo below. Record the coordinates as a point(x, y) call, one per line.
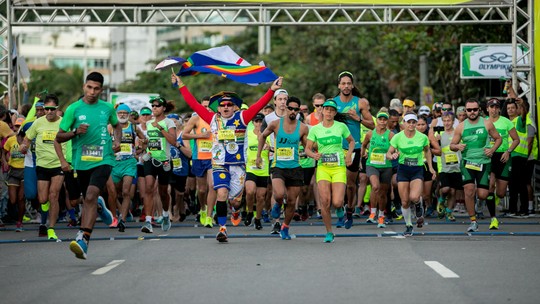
point(515, 13)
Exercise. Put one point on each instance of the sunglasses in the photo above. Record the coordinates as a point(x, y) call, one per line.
point(317, 105)
point(472, 109)
point(293, 109)
point(226, 104)
point(156, 106)
point(446, 109)
point(50, 108)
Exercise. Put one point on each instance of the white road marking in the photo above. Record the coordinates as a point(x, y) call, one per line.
point(442, 270)
point(108, 267)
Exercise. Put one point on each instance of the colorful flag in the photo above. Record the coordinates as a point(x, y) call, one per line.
point(223, 61)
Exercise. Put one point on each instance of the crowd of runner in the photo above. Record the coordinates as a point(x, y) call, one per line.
point(273, 161)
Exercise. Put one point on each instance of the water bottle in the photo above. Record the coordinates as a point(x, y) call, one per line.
point(166, 166)
point(147, 156)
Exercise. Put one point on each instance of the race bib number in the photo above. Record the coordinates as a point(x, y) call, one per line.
point(413, 162)
point(205, 146)
point(253, 164)
point(330, 159)
point(92, 153)
point(126, 148)
point(226, 135)
point(377, 158)
point(451, 158)
point(177, 163)
point(48, 136)
point(154, 144)
point(473, 166)
point(285, 154)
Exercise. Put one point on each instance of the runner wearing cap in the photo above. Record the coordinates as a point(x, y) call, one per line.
point(357, 113)
point(198, 130)
point(287, 174)
point(256, 178)
point(472, 139)
point(410, 146)
point(378, 166)
point(332, 161)
point(228, 151)
point(145, 114)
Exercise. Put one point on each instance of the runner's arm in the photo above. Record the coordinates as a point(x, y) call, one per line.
point(192, 101)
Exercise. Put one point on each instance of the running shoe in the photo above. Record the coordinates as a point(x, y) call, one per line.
point(366, 211)
point(129, 217)
point(104, 213)
point(209, 222)
point(329, 237)
point(304, 214)
point(147, 228)
point(114, 223)
point(319, 214)
point(356, 213)
point(42, 231)
point(408, 231)
point(72, 223)
point(494, 224)
point(348, 222)
point(258, 224)
point(340, 222)
point(159, 220)
point(202, 217)
point(419, 209)
point(284, 233)
point(473, 227)
point(399, 215)
point(276, 211)
point(381, 223)
point(26, 219)
point(420, 222)
point(79, 247)
point(51, 235)
point(440, 208)
point(450, 216)
point(19, 227)
point(296, 215)
point(277, 228)
point(121, 226)
point(265, 217)
point(235, 218)
point(166, 224)
point(429, 211)
point(222, 235)
point(371, 219)
point(249, 219)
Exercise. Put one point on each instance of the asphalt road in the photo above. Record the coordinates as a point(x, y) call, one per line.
point(439, 264)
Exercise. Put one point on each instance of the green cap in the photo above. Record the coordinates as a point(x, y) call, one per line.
point(330, 103)
point(146, 111)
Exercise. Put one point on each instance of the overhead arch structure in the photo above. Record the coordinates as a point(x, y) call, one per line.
point(516, 13)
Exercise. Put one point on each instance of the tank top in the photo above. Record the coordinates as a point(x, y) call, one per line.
point(127, 143)
point(286, 153)
point(157, 143)
point(251, 155)
point(180, 163)
point(476, 138)
point(449, 161)
point(378, 146)
point(353, 125)
point(203, 146)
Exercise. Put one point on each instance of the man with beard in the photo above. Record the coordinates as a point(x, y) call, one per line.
point(356, 109)
point(472, 138)
point(287, 174)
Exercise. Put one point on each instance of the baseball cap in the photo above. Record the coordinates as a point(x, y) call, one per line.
point(259, 116)
point(382, 114)
point(123, 107)
point(436, 107)
point(40, 104)
point(410, 116)
point(494, 101)
point(145, 111)
point(19, 121)
point(280, 91)
point(408, 103)
point(424, 110)
point(173, 116)
point(330, 103)
point(460, 109)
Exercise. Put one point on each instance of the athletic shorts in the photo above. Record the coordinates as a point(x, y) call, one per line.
point(121, 168)
point(337, 174)
point(293, 177)
point(427, 175)
point(15, 177)
point(72, 185)
point(409, 173)
point(96, 177)
point(478, 175)
point(140, 170)
point(260, 181)
point(364, 164)
point(45, 174)
point(500, 169)
point(178, 182)
point(231, 177)
point(200, 167)
point(30, 183)
point(355, 166)
point(154, 168)
point(308, 175)
point(452, 180)
point(384, 174)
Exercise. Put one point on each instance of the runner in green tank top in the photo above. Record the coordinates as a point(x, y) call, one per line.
point(287, 175)
point(501, 163)
point(378, 167)
point(471, 138)
point(331, 167)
